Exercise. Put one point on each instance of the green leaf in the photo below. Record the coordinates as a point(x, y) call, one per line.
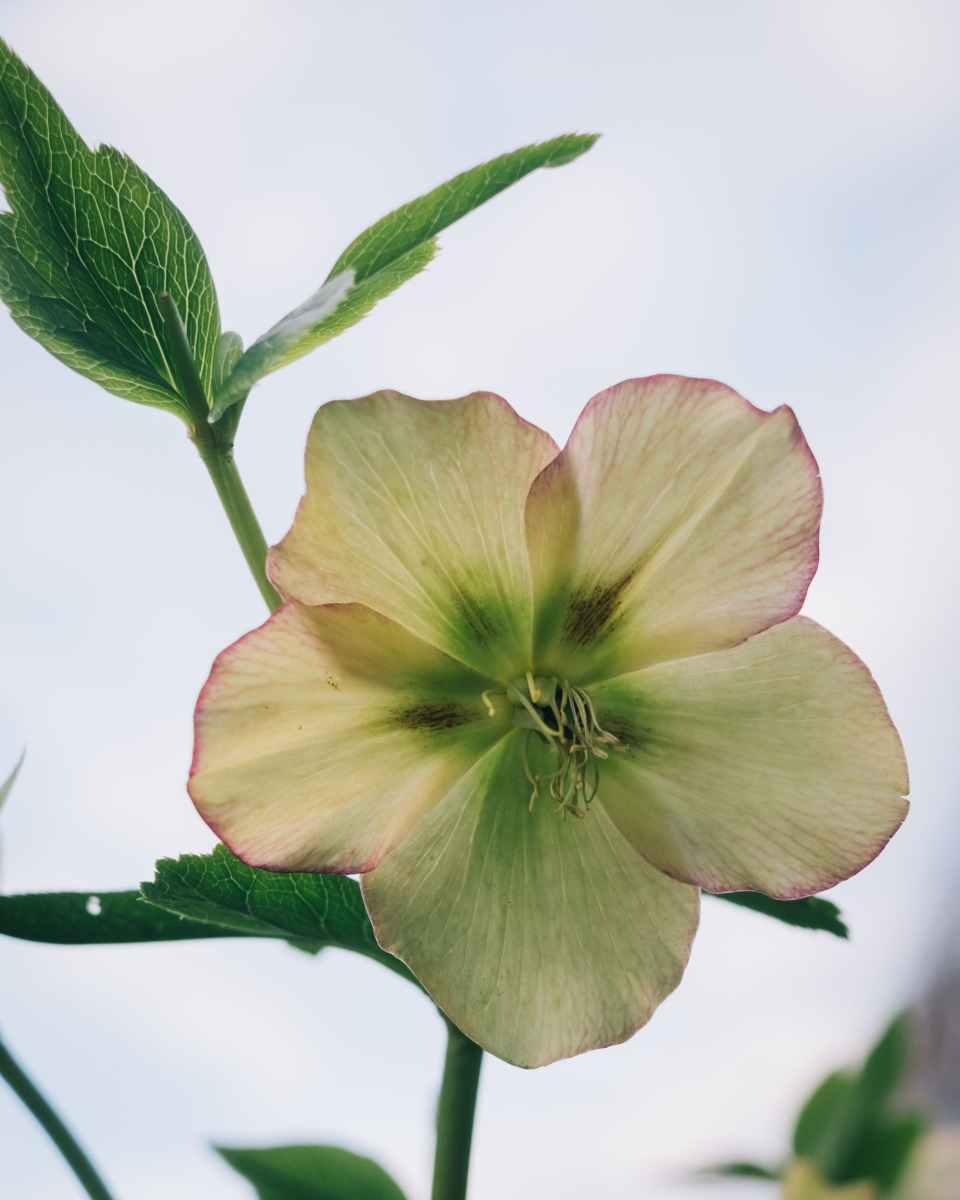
point(886, 1063)
point(311, 1173)
point(409, 226)
point(742, 1170)
point(819, 1116)
point(89, 244)
point(220, 890)
point(390, 252)
point(7, 786)
point(96, 918)
point(810, 912)
point(885, 1149)
point(847, 1126)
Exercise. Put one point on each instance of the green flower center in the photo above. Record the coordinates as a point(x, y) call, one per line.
point(560, 716)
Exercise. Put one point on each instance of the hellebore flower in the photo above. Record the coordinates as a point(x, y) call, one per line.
point(539, 699)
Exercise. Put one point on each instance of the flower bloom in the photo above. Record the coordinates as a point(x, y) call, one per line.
point(540, 699)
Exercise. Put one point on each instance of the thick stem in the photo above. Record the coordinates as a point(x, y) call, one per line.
point(55, 1129)
point(455, 1111)
point(216, 451)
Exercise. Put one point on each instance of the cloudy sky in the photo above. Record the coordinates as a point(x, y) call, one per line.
point(775, 203)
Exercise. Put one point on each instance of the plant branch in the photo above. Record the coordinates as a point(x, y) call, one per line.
point(215, 448)
point(219, 461)
point(55, 1129)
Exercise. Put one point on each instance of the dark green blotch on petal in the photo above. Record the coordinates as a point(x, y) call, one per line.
point(433, 717)
point(592, 611)
point(471, 611)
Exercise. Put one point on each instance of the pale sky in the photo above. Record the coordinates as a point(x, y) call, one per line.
point(775, 203)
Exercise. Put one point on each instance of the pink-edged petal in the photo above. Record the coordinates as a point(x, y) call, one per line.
point(415, 508)
point(772, 766)
point(540, 938)
point(679, 519)
point(326, 734)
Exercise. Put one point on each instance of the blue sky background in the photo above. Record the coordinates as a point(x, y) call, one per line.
point(776, 204)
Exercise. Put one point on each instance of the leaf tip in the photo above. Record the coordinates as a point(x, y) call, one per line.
point(576, 144)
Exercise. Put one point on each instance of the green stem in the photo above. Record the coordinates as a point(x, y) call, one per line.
point(219, 461)
point(215, 447)
point(455, 1110)
point(55, 1129)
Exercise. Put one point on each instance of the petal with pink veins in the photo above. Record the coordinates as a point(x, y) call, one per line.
point(538, 937)
point(678, 519)
point(773, 766)
point(415, 508)
point(325, 735)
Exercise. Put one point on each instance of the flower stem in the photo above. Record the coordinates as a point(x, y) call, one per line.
point(219, 461)
point(215, 447)
point(455, 1110)
point(55, 1129)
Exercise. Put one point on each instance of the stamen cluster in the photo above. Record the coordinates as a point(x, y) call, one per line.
point(562, 717)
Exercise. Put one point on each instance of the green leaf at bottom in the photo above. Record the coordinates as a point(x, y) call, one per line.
point(97, 919)
point(851, 1127)
point(311, 1173)
point(222, 891)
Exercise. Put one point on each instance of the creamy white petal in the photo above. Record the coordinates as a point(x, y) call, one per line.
point(415, 508)
point(326, 734)
point(678, 519)
point(772, 766)
point(540, 938)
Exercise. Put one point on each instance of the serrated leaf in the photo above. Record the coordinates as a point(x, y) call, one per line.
point(407, 227)
point(220, 890)
point(96, 918)
point(810, 912)
point(390, 252)
point(89, 244)
point(311, 1173)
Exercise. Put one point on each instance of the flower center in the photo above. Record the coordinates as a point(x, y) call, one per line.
point(554, 713)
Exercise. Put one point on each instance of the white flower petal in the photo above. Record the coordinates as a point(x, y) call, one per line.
point(326, 734)
point(772, 766)
point(540, 938)
point(678, 519)
point(415, 508)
